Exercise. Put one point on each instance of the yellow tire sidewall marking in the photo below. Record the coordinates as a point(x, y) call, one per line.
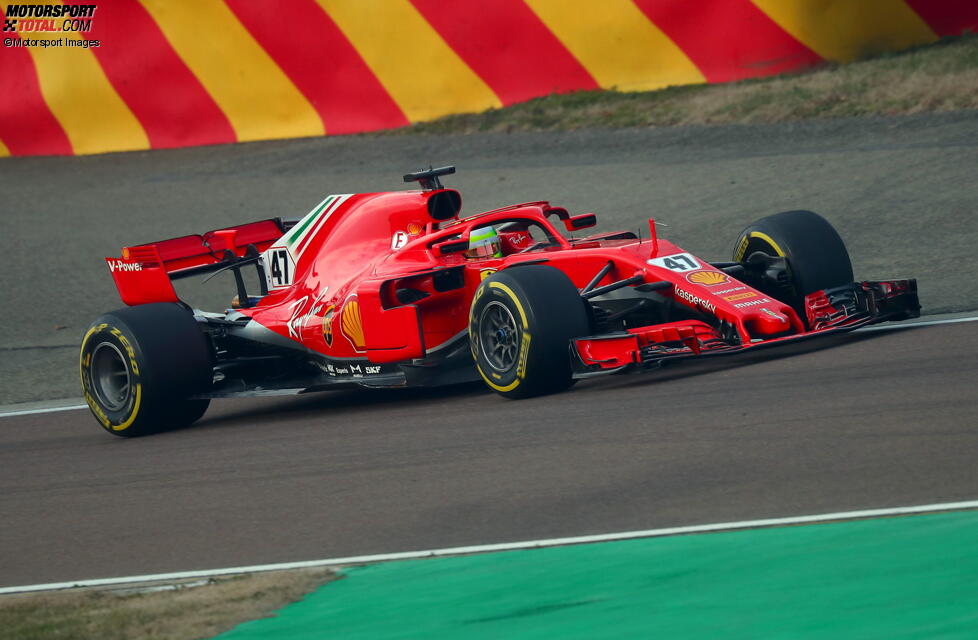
point(524, 354)
point(84, 360)
point(768, 239)
point(524, 346)
point(741, 248)
point(516, 301)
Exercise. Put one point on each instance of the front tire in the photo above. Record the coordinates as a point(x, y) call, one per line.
point(520, 326)
point(817, 258)
point(139, 367)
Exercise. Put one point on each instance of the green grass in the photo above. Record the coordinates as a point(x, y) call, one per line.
point(938, 77)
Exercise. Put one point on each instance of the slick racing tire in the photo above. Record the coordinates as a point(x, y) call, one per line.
point(520, 326)
point(816, 256)
point(141, 365)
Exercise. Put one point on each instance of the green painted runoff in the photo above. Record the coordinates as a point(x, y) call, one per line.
point(906, 577)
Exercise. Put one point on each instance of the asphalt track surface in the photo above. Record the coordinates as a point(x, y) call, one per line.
point(871, 420)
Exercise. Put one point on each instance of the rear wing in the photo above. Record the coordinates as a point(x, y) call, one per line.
point(145, 272)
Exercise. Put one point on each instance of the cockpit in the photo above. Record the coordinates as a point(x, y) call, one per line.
point(509, 237)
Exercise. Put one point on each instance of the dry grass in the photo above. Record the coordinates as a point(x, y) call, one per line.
point(938, 77)
point(182, 614)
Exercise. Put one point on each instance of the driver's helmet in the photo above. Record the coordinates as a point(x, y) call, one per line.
point(484, 242)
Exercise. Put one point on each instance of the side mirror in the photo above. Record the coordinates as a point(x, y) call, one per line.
point(455, 245)
point(582, 221)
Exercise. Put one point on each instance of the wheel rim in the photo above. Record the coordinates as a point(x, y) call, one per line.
point(110, 376)
point(499, 339)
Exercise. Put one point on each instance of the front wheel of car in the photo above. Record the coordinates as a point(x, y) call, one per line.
point(140, 367)
point(817, 257)
point(520, 325)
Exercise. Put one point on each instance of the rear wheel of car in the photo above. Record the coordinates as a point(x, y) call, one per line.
point(140, 367)
point(816, 256)
point(520, 326)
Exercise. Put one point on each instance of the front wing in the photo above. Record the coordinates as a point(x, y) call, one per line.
point(828, 312)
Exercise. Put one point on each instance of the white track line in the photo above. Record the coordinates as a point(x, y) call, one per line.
point(883, 327)
point(910, 325)
point(506, 546)
point(27, 412)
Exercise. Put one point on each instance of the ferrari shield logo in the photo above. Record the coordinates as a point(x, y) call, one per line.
point(328, 326)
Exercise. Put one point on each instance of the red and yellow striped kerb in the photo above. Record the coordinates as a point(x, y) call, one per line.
point(171, 73)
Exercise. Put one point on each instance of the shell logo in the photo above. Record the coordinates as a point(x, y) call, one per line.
point(414, 229)
point(328, 326)
point(351, 324)
point(708, 278)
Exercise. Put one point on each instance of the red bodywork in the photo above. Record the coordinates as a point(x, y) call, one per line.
point(334, 279)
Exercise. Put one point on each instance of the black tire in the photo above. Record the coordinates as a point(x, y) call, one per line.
point(140, 365)
point(817, 258)
point(520, 325)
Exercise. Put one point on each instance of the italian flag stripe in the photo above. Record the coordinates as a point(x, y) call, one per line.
point(303, 224)
point(303, 244)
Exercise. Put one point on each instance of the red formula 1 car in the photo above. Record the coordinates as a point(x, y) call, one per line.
point(394, 289)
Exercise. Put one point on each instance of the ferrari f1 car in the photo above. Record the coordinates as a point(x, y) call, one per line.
point(395, 289)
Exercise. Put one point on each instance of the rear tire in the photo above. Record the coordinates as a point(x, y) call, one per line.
point(520, 326)
point(817, 258)
point(140, 366)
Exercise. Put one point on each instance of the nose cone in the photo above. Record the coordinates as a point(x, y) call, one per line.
point(766, 322)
